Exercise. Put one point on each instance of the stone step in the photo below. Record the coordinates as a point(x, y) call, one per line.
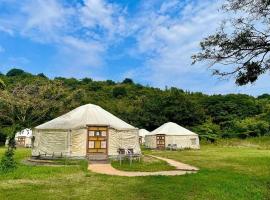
point(97, 157)
point(99, 161)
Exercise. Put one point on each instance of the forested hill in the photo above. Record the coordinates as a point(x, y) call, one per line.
point(27, 100)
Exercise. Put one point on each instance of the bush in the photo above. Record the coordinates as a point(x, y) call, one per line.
point(128, 81)
point(7, 162)
point(208, 131)
point(251, 127)
point(15, 72)
point(119, 91)
point(2, 85)
point(42, 75)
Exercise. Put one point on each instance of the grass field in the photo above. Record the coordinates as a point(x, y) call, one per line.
point(229, 170)
point(147, 164)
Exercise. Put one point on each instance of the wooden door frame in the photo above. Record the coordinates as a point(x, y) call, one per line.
point(158, 135)
point(87, 139)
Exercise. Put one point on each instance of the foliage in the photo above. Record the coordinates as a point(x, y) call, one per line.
point(15, 72)
point(208, 131)
point(251, 127)
point(42, 75)
point(127, 81)
point(2, 85)
point(241, 42)
point(29, 105)
point(30, 100)
point(119, 91)
point(7, 162)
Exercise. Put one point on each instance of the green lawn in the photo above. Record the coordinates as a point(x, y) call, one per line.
point(229, 170)
point(147, 164)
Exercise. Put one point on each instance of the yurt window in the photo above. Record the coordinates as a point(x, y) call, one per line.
point(193, 141)
point(91, 133)
point(97, 133)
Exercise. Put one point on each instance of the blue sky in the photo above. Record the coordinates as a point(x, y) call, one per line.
point(150, 41)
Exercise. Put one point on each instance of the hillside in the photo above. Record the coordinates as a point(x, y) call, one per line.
point(27, 100)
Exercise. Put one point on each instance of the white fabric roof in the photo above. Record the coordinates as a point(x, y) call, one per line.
point(143, 132)
point(24, 133)
point(171, 128)
point(82, 116)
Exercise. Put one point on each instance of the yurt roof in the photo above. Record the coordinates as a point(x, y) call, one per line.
point(171, 128)
point(83, 116)
point(24, 133)
point(143, 132)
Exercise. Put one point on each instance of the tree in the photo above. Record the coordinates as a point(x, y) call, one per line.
point(251, 127)
point(15, 72)
point(42, 75)
point(86, 80)
point(208, 130)
point(242, 42)
point(28, 105)
point(264, 96)
point(127, 81)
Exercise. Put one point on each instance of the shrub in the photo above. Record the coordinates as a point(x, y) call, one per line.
point(7, 162)
point(127, 81)
point(15, 72)
point(208, 131)
point(119, 91)
point(2, 85)
point(42, 75)
point(251, 127)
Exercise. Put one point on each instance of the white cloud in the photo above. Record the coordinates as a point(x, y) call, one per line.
point(105, 18)
point(45, 21)
point(166, 34)
point(169, 40)
point(73, 30)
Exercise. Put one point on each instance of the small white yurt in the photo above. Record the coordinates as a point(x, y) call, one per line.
point(24, 138)
point(142, 134)
point(86, 131)
point(171, 135)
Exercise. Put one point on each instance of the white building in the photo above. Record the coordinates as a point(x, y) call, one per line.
point(24, 138)
point(171, 135)
point(142, 134)
point(86, 131)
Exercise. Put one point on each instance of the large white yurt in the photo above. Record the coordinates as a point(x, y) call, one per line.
point(142, 134)
point(171, 135)
point(86, 131)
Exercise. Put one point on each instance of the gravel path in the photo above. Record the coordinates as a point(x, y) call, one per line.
point(181, 169)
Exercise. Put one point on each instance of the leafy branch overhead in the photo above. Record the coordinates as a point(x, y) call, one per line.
point(241, 45)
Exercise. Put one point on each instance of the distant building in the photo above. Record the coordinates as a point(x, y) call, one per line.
point(23, 138)
point(171, 135)
point(142, 134)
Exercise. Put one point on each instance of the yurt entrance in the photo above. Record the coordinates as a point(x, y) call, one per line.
point(160, 141)
point(21, 141)
point(97, 140)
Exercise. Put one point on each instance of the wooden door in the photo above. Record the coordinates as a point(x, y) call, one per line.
point(97, 140)
point(21, 141)
point(160, 141)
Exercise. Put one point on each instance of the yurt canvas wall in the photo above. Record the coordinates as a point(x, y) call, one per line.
point(79, 138)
